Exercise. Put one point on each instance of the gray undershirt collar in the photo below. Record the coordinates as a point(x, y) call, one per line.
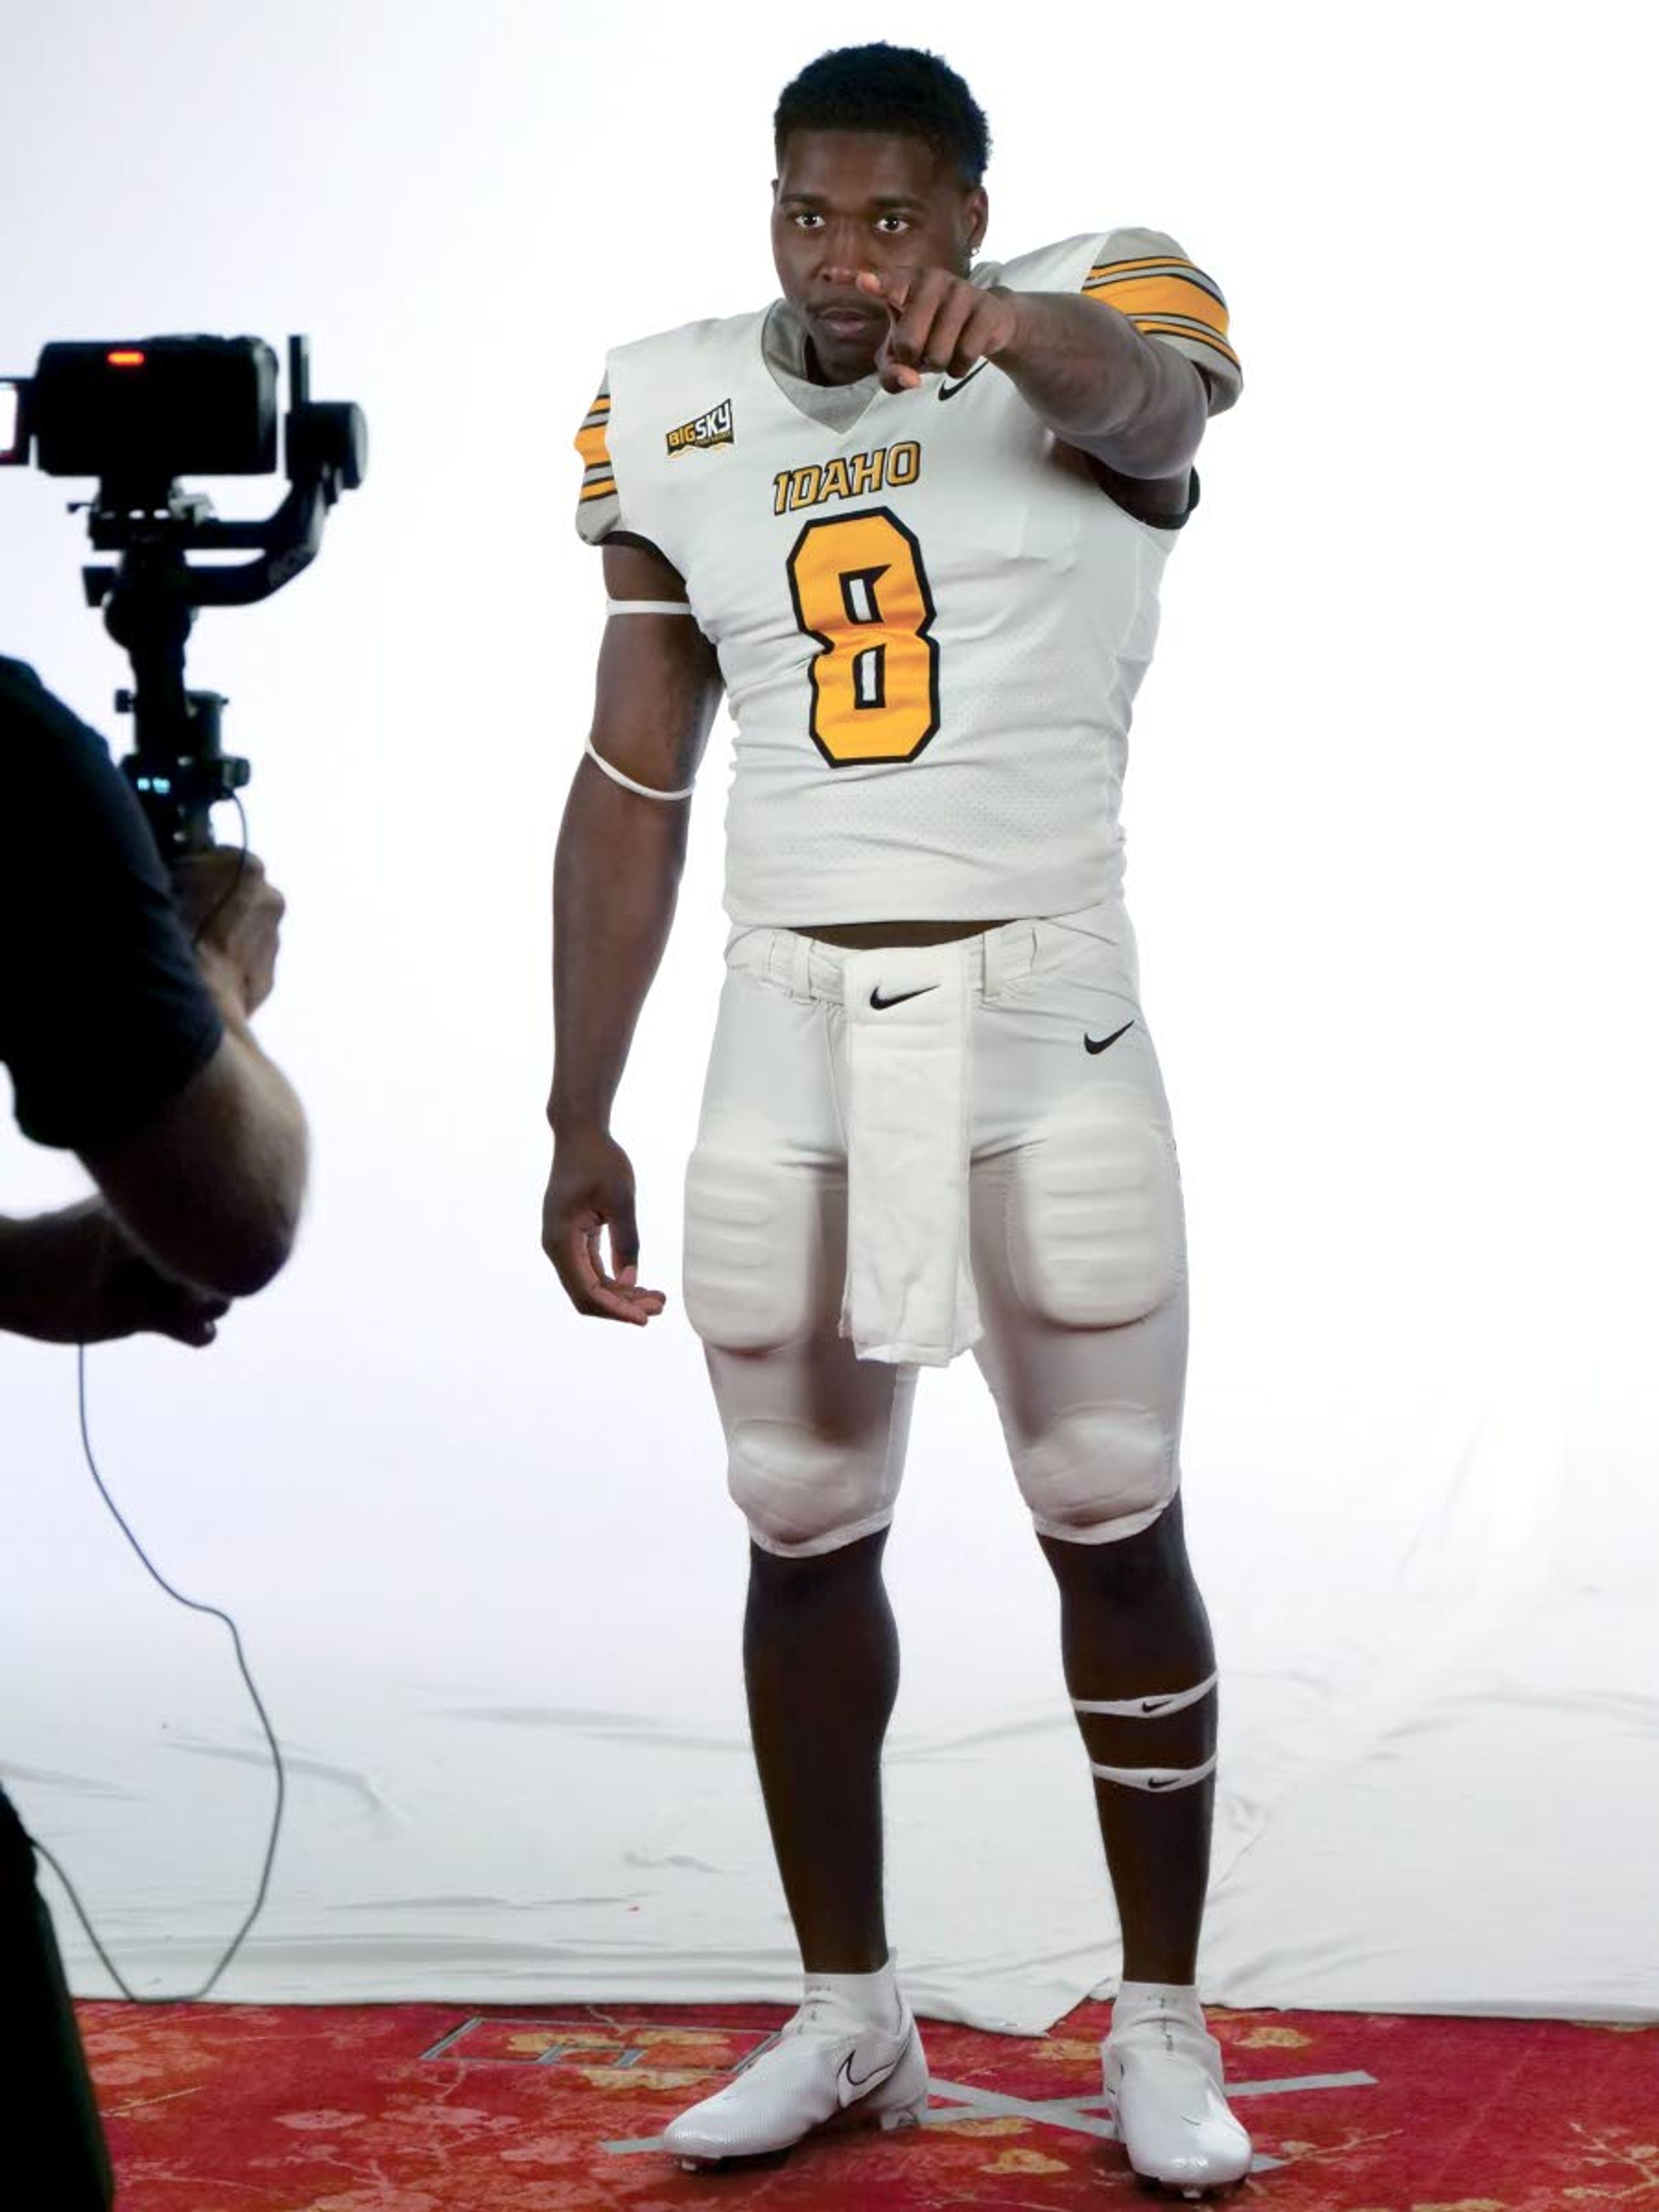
point(783, 345)
point(837, 406)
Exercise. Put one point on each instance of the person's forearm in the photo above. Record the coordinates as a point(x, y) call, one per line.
point(282, 1116)
point(616, 879)
point(275, 1139)
point(1086, 370)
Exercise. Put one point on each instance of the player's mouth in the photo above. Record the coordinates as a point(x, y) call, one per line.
point(848, 325)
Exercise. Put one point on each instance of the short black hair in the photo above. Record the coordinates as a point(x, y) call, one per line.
point(882, 88)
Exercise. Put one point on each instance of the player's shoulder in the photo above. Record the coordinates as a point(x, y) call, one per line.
point(668, 387)
point(1070, 264)
point(1061, 266)
point(687, 343)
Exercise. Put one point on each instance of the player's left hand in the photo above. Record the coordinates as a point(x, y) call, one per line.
point(82, 1280)
point(940, 322)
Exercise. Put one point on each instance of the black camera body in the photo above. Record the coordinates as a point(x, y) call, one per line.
point(138, 415)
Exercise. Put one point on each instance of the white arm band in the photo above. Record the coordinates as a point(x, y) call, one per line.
point(644, 789)
point(647, 607)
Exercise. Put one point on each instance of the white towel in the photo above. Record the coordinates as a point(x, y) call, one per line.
point(909, 1293)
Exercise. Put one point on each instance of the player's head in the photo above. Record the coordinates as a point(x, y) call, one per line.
point(881, 153)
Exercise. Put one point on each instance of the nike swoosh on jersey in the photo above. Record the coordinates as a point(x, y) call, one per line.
point(1099, 1044)
point(877, 1001)
point(950, 390)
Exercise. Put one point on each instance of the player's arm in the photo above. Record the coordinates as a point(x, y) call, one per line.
point(1083, 367)
point(1128, 370)
point(1081, 364)
point(617, 870)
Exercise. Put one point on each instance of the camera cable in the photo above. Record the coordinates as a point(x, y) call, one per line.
point(196, 1605)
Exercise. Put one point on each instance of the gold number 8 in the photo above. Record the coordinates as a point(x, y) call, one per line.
point(860, 590)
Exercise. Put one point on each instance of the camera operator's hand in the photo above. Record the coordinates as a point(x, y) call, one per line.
point(75, 1277)
point(225, 894)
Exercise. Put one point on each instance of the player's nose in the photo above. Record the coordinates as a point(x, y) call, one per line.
point(839, 245)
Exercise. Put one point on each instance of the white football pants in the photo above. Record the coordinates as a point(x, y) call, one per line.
point(1013, 1186)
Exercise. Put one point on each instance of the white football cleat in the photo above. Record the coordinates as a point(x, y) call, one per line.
point(1163, 2078)
point(827, 2064)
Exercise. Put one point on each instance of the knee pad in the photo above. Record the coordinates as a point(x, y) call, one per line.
point(1099, 1472)
point(801, 1492)
point(1095, 1235)
point(752, 1251)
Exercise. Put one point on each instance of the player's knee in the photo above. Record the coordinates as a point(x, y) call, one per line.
point(1095, 1236)
point(800, 1492)
point(1099, 1472)
point(750, 1248)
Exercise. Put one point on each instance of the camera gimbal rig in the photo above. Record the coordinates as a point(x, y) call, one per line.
point(138, 416)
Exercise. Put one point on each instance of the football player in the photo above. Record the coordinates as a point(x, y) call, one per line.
point(911, 519)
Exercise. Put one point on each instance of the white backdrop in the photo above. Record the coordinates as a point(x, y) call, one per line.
point(1389, 811)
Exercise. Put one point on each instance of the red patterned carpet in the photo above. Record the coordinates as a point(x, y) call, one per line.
point(427, 2108)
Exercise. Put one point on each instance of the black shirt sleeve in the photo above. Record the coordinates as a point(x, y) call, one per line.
point(103, 1013)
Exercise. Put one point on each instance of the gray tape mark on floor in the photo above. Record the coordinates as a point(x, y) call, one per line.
point(1073, 2113)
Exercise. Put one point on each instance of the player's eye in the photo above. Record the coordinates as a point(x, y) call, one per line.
point(804, 216)
point(892, 223)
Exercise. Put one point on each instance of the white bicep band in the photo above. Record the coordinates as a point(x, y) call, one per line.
point(644, 789)
point(647, 607)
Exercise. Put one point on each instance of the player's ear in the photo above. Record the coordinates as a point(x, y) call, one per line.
point(977, 208)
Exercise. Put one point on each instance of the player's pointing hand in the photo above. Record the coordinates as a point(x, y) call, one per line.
point(940, 322)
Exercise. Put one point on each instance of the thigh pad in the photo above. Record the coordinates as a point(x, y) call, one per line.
point(753, 1264)
point(1095, 1231)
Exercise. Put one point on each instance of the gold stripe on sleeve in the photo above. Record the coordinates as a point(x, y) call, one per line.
point(1145, 261)
point(590, 444)
point(1151, 295)
point(1150, 326)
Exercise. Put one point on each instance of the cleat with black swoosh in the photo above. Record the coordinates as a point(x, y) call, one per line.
point(828, 2067)
point(1163, 2078)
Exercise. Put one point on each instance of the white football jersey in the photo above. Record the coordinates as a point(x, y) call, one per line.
point(931, 620)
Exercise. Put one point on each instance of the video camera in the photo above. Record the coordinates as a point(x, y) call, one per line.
point(138, 415)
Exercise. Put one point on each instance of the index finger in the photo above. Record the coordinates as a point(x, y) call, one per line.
point(894, 288)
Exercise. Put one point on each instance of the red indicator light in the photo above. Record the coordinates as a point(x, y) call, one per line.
point(129, 359)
